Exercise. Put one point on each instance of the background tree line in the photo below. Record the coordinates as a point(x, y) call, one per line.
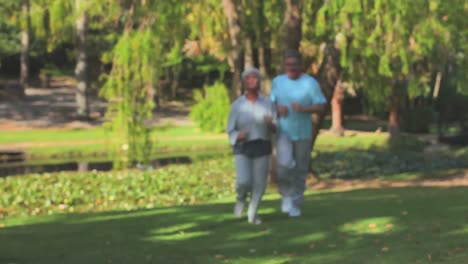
point(406, 60)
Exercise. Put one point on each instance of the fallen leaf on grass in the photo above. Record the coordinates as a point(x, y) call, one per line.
point(2, 225)
point(312, 246)
point(372, 225)
point(389, 226)
point(385, 249)
point(455, 250)
point(429, 257)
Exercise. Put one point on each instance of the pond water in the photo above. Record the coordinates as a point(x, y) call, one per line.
point(18, 166)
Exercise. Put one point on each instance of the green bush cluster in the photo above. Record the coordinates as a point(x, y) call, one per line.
point(211, 109)
point(122, 190)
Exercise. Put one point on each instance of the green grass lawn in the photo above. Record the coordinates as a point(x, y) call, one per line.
point(89, 143)
point(405, 225)
point(65, 135)
point(96, 142)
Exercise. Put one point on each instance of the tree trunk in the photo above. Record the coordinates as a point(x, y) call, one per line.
point(81, 61)
point(329, 74)
point(293, 23)
point(175, 81)
point(235, 58)
point(248, 53)
point(263, 37)
point(25, 35)
point(337, 110)
point(394, 116)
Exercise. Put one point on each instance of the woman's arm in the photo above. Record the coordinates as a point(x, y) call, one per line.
point(233, 133)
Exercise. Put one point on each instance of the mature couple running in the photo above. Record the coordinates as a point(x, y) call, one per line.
point(252, 121)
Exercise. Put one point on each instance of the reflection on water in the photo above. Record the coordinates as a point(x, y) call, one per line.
point(19, 168)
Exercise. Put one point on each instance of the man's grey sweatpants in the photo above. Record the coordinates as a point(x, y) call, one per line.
point(292, 182)
point(251, 178)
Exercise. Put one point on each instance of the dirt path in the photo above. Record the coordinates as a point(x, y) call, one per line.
point(55, 108)
point(450, 180)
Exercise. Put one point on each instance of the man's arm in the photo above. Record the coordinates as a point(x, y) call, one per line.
point(317, 100)
point(315, 108)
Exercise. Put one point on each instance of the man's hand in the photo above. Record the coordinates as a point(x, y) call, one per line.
point(282, 110)
point(242, 135)
point(297, 107)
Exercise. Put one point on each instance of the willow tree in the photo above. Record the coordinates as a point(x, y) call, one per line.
point(386, 39)
point(138, 61)
point(324, 25)
point(328, 25)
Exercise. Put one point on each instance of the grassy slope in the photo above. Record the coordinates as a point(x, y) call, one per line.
point(408, 225)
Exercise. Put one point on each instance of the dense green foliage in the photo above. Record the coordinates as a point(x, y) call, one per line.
point(9, 41)
point(125, 190)
point(211, 109)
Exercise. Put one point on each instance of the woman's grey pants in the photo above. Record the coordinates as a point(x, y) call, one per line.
point(292, 181)
point(251, 177)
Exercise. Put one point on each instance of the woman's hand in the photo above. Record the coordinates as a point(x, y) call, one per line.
point(268, 120)
point(242, 135)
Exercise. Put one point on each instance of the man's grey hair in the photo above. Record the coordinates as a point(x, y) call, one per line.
point(291, 53)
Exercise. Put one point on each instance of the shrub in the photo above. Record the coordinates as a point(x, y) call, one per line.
point(211, 110)
point(417, 120)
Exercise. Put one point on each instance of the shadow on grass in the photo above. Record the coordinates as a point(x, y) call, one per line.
point(376, 163)
point(407, 225)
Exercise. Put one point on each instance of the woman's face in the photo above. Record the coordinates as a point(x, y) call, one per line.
point(251, 82)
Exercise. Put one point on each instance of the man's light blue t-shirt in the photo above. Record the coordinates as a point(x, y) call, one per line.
point(305, 91)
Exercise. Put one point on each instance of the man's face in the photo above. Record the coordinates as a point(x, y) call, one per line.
point(292, 67)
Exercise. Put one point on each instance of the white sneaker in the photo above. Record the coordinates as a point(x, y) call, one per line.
point(286, 204)
point(238, 209)
point(255, 220)
point(295, 212)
